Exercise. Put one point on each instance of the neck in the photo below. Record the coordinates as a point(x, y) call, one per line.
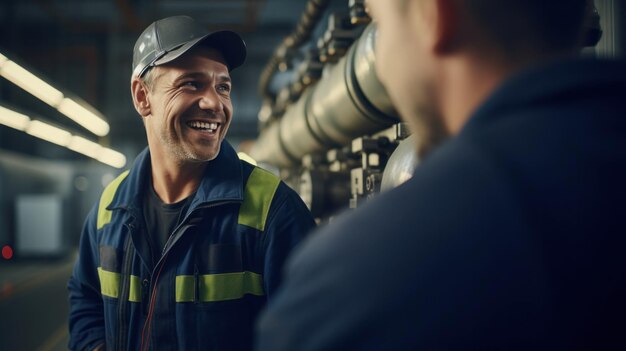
point(467, 81)
point(174, 182)
point(465, 84)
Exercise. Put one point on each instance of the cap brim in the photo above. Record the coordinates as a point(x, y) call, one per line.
point(229, 43)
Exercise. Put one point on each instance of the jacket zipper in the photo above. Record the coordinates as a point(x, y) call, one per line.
point(173, 238)
point(146, 334)
point(123, 292)
point(196, 285)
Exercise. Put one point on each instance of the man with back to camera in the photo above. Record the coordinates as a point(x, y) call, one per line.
point(183, 250)
point(511, 233)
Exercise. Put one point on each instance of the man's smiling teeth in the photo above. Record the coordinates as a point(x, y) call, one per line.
point(206, 126)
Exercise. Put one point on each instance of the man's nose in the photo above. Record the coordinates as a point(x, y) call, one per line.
point(210, 100)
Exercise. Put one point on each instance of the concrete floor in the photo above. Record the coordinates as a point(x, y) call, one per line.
point(34, 304)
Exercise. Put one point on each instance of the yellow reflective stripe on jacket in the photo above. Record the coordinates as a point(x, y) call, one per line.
point(134, 295)
point(185, 288)
point(230, 286)
point(110, 285)
point(257, 198)
point(219, 287)
point(104, 215)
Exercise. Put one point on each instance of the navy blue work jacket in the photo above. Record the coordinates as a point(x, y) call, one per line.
point(216, 271)
point(510, 236)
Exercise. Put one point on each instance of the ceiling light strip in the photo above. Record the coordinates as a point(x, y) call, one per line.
point(82, 114)
point(61, 137)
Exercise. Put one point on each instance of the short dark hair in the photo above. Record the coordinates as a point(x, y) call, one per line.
point(517, 26)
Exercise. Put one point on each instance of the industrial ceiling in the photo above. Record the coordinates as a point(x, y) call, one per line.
point(84, 48)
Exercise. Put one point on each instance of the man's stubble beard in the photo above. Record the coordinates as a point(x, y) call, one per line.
point(180, 152)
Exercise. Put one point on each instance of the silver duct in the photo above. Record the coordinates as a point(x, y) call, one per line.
point(349, 101)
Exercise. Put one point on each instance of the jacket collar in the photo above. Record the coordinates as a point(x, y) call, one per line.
point(549, 82)
point(222, 181)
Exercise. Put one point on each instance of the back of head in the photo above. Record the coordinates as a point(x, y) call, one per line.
point(522, 27)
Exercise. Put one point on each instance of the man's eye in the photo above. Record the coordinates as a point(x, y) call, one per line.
point(223, 88)
point(192, 84)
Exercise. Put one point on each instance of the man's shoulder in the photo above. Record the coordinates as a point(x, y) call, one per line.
point(132, 175)
point(116, 182)
point(456, 192)
point(252, 171)
point(259, 180)
point(106, 199)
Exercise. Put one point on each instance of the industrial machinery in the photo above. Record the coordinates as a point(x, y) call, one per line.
point(332, 129)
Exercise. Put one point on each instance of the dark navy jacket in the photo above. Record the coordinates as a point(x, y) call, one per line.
point(215, 274)
point(511, 235)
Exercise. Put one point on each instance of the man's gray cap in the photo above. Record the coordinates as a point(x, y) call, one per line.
point(167, 39)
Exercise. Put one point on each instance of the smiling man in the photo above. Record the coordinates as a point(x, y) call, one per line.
point(182, 251)
point(511, 233)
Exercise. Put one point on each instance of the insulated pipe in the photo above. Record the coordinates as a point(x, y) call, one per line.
point(268, 148)
point(349, 101)
point(364, 67)
point(295, 134)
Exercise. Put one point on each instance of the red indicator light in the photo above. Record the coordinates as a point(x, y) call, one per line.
point(7, 252)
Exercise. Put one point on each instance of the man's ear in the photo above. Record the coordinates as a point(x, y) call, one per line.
point(140, 97)
point(447, 36)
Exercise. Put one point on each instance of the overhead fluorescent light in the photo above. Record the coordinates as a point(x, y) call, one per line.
point(49, 133)
point(81, 113)
point(61, 137)
point(85, 147)
point(112, 158)
point(13, 119)
point(84, 117)
point(31, 83)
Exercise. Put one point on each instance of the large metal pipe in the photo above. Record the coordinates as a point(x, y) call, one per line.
point(349, 101)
